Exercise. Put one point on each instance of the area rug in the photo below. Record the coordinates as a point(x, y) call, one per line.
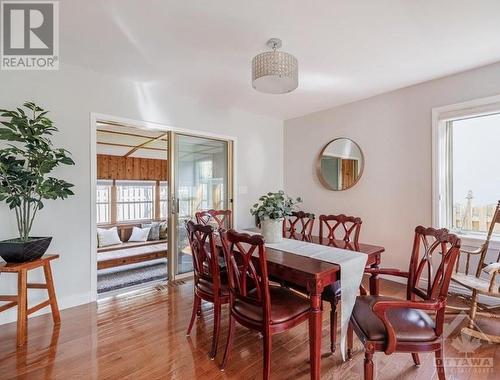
point(130, 275)
point(135, 274)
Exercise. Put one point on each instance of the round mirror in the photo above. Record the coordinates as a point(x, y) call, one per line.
point(340, 164)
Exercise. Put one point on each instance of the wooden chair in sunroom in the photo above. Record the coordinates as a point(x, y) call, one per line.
point(481, 278)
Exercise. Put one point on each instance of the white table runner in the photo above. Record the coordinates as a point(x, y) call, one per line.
point(352, 265)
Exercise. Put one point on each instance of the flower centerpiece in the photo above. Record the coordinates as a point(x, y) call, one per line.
point(270, 211)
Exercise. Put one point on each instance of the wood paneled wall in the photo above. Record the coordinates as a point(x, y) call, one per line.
point(131, 168)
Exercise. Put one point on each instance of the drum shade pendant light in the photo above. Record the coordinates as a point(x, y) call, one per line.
point(275, 72)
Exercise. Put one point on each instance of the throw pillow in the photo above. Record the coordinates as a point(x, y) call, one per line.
point(106, 237)
point(154, 232)
point(163, 230)
point(139, 234)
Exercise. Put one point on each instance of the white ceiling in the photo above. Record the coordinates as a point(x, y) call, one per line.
point(347, 50)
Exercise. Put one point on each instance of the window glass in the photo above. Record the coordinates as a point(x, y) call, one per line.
point(103, 201)
point(134, 200)
point(475, 174)
point(163, 200)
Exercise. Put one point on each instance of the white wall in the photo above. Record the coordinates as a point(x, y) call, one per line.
point(394, 132)
point(71, 94)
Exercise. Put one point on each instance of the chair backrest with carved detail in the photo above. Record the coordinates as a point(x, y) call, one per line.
point(433, 257)
point(245, 272)
point(205, 253)
point(339, 227)
point(298, 226)
point(220, 217)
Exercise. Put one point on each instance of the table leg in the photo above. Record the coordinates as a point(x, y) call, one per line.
point(315, 320)
point(56, 316)
point(374, 280)
point(22, 307)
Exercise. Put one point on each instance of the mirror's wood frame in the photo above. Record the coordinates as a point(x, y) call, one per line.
point(318, 165)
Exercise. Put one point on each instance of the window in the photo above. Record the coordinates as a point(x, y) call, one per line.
point(103, 201)
point(135, 200)
point(163, 200)
point(210, 189)
point(131, 201)
point(467, 169)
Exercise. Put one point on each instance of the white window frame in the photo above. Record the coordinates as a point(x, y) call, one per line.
point(441, 168)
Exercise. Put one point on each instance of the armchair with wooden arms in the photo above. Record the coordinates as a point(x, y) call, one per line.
point(484, 280)
point(391, 325)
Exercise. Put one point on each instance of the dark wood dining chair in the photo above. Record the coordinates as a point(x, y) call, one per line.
point(219, 218)
point(333, 228)
point(254, 303)
point(209, 285)
point(393, 325)
point(339, 227)
point(298, 226)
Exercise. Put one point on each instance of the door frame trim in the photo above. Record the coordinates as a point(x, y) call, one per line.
point(141, 124)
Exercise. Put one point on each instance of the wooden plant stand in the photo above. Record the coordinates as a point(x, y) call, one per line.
point(21, 299)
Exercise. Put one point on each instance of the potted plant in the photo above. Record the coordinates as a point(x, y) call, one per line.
point(26, 159)
point(270, 211)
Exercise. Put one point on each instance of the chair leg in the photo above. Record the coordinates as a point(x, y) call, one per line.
point(349, 341)
point(368, 364)
point(196, 305)
point(215, 337)
point(362, 290)
point(267, 355)
point(416, 359)
point(229, 343)
point(333, 326)
point(440, 364)
point(473, 310)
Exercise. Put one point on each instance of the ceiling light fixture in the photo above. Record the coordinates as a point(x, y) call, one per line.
point(275, 72)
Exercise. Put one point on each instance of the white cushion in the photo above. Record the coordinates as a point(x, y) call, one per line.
point(107, 237)
point(139, 234)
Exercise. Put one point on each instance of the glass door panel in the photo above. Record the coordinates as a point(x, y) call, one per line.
point(201, 183)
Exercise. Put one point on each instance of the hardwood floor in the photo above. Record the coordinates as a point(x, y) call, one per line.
point(142, 335)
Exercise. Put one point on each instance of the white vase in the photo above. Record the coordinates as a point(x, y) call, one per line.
point(272, 230)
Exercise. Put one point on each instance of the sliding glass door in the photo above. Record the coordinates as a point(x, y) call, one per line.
point(156, 179)
point(201, 170)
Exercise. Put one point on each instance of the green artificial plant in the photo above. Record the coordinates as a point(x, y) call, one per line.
point(274, 206)
point(26, 159)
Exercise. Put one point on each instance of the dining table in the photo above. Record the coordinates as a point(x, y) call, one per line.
point(314, 275)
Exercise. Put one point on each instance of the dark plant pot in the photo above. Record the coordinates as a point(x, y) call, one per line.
point(18, 251)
